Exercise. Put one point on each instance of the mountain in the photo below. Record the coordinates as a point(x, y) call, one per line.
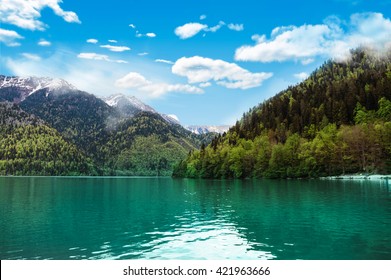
point(129, 106)
point(30, 147)
point(336, 121)
point(202, 129)
point(103, 129)
point(17, 89)
point(147, 144)
point(80, 117)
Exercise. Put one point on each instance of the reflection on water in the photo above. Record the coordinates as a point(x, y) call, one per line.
point(162, 218)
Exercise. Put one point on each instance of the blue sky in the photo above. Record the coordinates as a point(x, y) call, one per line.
point(207, 62)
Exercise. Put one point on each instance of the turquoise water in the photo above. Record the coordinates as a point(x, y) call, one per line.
point(164, 218)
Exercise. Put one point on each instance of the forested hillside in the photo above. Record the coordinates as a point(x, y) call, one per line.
point(116, 142)
point(147, 145)
point(28, 146)
point(336, 121)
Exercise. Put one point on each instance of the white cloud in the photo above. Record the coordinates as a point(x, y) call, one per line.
point(9, 37)
point(216, 27)
point(90, 75)
point(151, 35)
point(175, 117)
point(301, 76)
point(202, 70)
point(307, 61)
point(164, 61)
point(113, 41)
point(44, 43)
point(25, 14)
point(189, 30)
point(235, 27)
point(134, 80)
point(204, 85)
point(142, 54)
point(95, 56)
point(31, 56)
point(329, 39)
point(92, 41)
point(115, 48)
point(202, 17)
point(132, 25)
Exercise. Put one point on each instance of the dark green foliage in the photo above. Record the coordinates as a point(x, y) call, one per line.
point(146, 145)
point(141, 144)
point(80, 117)
point(30, 147)
point(337, 121)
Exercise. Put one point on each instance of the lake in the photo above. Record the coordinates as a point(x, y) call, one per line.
point(164, 218)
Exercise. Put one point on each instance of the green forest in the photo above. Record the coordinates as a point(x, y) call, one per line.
point(338, 121)
point(28, 146)
point(80, 141)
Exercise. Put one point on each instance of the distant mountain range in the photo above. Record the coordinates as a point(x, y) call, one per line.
point(17, 89)
point(203, 129)
point(109, 132)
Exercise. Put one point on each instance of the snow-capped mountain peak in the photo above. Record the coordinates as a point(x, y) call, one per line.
point(128, 104)
point(29, 85)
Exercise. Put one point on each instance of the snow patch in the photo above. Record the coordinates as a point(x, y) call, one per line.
point(30, 85)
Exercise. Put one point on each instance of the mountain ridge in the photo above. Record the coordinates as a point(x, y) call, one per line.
point(336, 121)
point(95, 127)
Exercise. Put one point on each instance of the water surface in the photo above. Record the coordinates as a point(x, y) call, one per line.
point(164, 218)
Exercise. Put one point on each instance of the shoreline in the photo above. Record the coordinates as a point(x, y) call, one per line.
point(358, 177)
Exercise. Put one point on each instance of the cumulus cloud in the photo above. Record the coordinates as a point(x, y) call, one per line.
point(204, 85)
point(31, 56)
point(142, 54)
point(202, 17)
point(189, 30)
point(132, 25)
point(44, 43)
point(134, 80)
point(95, 56)
point(329, 39)
point(301, 76)
point(92, 41)
point(115, 48)
point(113, 41)
point(235, 27)
point(164, 61)
point(203, 70)
point(26, 14)
point(10, 37)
